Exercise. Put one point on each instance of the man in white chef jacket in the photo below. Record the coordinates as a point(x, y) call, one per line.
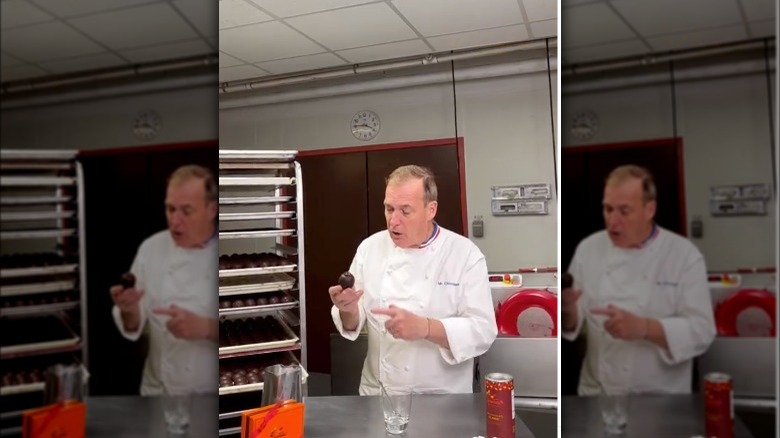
point(423, 293)
point(642, 293)
point(175, 293)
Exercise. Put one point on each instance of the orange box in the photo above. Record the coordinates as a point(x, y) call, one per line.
point(60, 420)
point(281, 420)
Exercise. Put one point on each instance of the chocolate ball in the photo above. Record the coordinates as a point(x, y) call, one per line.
point(262, 301)
point(254, 378)
point(238, 303)
point(224, 304)
point(127, 280)
point(273, 300)
point(346, 280)
point(286, 299)
point(567, 280)
point(250, 302)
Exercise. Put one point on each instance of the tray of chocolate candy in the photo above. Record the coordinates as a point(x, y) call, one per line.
point(35, 264)
point(35, 285)
point(254, 334)
point(31, 379)
point(256, 215)
point(245, 304)
point(246, 374)
point(35, 334)
point(38, 304)
point(255, 283)
point(239, 265)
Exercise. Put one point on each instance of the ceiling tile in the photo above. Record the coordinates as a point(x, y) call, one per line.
point(762, 29)
point(301, 63)
point(544, 29)
point(238, 12)
point(759, 9)
point(19, 13)
point(354, 27)
point(203, 14)
point(287, 8)
point(8, 60)
point(476, 38)
point(18, 72)
point(136, 27)
point(45, 42)
point(538, 10)
point(604, 51)
point(239, 72)
point(226, 60)
point(427, 16)
point(659, 17)
point(592, 24)
point(385, 51)
point(251, 43)
point(83, 63)
point(696, 39)
point(72, 8)
point(167, 51)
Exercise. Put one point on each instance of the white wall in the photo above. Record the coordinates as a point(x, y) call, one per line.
point(187, 115)
point(724, 121)
point(505, 123)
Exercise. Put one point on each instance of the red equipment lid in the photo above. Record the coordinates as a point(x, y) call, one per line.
point(748, 312)
point(530, 313)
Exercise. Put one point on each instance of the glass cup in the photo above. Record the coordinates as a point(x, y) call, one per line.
point(614, 411)
point(396, 406)
point(176, 407)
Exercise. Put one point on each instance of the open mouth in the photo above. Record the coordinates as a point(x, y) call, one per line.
point(395, 233)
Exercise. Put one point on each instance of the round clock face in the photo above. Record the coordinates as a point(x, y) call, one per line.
point(146, 125)
point(584, 125)
point(365, 125)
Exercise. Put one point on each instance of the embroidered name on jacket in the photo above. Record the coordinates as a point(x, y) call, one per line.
point(666, 283)
point(448, 283)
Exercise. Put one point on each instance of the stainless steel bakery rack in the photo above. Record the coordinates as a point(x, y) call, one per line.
point(261, 274)
point(42, 276)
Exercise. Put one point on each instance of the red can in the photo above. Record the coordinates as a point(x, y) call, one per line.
point(718, 406)
point(500, 405)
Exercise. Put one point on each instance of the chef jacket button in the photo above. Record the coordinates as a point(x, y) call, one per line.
point(384, 330)
point(406, 368)
point(422, 305)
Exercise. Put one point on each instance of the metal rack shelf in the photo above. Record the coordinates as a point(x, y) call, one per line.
point(38, 271)
point(37, 288)
point(35, 215)
point(251, 182)
point(34, 200)
point(42, 309)
point(36, 181)
point(36, 234)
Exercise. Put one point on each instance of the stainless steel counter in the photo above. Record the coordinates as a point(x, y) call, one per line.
point(136, 416)
point(680, 416)
point(433, 416)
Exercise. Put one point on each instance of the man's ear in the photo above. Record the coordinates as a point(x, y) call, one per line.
point(431, 209)
point(650, 208)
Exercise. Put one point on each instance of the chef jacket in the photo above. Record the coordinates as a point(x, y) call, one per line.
point(445, 279)
point(665, 279)
point(169, 274)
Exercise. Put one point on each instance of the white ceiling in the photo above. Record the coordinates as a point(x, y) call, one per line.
point(593, 30)
point(268, 37)
point(40, 38)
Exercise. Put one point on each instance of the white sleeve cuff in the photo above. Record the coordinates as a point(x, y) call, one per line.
point(458, 331)
point(133, 336)
point(349, 334)
point(572, 335)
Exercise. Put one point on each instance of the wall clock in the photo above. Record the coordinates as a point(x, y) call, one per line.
point(584, 125)
point(146, 125)
point(365, 125)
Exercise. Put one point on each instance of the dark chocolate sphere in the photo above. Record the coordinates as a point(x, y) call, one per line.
point(127, 280)
point(346, 280)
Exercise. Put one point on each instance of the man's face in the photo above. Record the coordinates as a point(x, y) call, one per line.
point(628, 218)
point(408, 217)
point(190, 217)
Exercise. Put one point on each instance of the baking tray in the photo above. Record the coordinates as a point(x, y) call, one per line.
point(260, 283)
point(247, 234)
point(256, 156)
point(30, 181)
point(259, 215)
point(36, 234)
point(41, 309)
point(225, 181)
point(264, 346)
point(37, 386)
point(38, 154)
point(251, 310)
point(237, 165)
point(34, 200)
point(35, 215)
point(243, 272)
point(249, 387)
point(38, 270)
point(37, 333)
point(36, 288)
point(253, 200)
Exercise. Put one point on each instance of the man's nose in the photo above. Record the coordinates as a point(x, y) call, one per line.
point(395, 218)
